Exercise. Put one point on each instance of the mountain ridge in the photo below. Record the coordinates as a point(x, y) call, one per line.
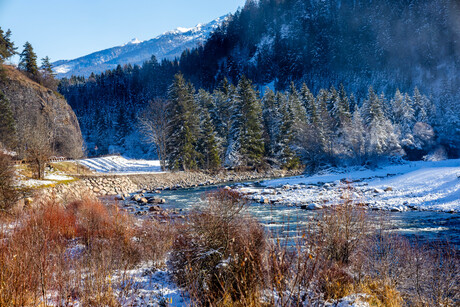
point(168, 45)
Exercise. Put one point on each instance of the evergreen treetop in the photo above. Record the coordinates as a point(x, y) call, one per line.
point(28, 60)
point(7, 48)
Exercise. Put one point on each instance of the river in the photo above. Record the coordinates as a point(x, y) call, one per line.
point(289, 221)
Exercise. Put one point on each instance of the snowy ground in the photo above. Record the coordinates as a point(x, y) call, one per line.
point(153, 288)
point(49, 180)
point(121, 165)
point(416, 185)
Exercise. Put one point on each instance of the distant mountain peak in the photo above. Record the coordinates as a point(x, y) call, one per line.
point(133, 41)
point(167, 45)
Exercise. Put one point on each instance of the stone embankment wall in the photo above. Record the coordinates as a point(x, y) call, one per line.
point(102, 185)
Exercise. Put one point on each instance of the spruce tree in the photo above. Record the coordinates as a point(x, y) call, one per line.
point(298, 110)
point(7, 123)
point(246, 146)
point(121, 127)
point(372, 107)
point(7, 48)
point(308, 101)
point(223, 96)
point(382, 136)
point(342, 108)
point(356, 137)
point(209, 146)
point(183, 126)
point(403, 117)
point(325, 125)
point(28, 60)
point(418, 103)
point(272, 119)
point(286, 153)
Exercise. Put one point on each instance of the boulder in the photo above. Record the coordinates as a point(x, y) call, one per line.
point(136, 197)
point(154, 208)
point(143, 200)
point(264, 200)
point(388, 189)
point(314, 206)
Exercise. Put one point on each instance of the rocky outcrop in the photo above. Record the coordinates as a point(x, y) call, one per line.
point(38, 110)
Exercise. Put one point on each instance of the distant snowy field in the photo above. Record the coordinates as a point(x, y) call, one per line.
point(121, 165)
point(421, 185)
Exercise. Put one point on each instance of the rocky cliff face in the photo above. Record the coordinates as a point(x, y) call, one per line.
point(41, 113)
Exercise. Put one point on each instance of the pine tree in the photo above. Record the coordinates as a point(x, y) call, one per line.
point(48, 75)
point(183, 126)
point(7, 48)
point(47, 67)
point(28, 60)
point(7, 123)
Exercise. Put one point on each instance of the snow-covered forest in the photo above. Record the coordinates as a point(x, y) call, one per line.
point(395, 61)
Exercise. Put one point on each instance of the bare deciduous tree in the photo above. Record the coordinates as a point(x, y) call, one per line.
point(153, 124)
point(38, 149)
point(8, 191)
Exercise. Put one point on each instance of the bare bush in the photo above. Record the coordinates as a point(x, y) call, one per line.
point(340, 231)
point(155, 240)
point(218, 254)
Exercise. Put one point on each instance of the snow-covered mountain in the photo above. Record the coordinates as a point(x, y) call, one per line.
point(167, 45)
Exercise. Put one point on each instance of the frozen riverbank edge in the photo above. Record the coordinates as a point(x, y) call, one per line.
point(417, 185)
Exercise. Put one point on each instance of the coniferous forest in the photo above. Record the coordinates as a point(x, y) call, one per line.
point(290, 83)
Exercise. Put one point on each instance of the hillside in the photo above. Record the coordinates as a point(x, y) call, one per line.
point(168, 45)
point(40, 115)
point(388, 45)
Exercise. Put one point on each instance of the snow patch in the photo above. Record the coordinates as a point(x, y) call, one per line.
point(134, 41)
point(121, 165)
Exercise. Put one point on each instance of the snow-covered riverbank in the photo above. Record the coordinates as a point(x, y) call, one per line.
point(415, 185)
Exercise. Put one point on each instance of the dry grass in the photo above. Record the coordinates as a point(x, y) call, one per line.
point(71, 168)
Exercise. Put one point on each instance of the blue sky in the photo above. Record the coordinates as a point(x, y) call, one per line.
point(67, 29)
